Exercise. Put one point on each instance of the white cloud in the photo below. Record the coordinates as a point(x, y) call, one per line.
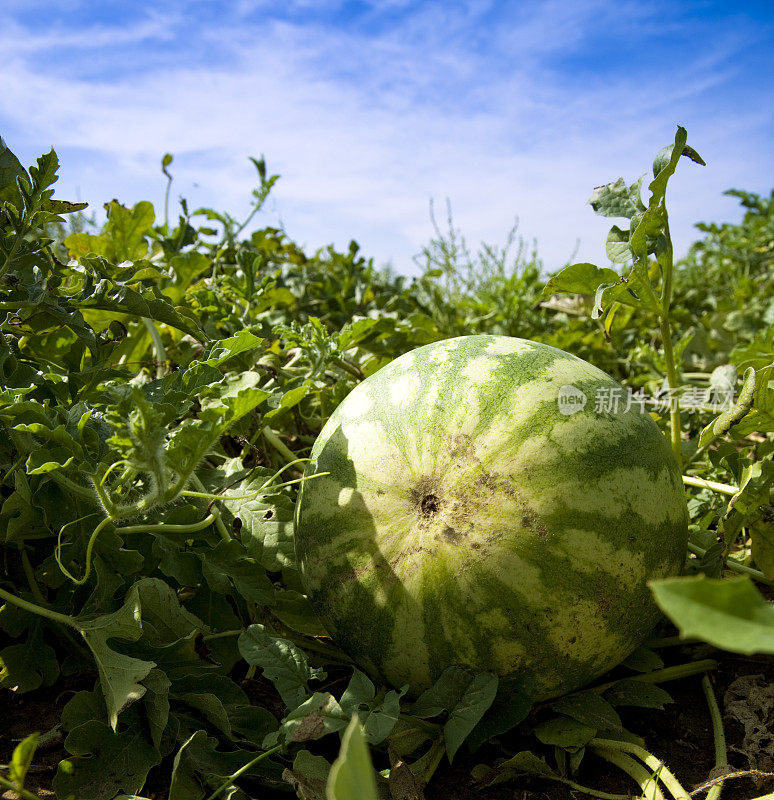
point(367, 127)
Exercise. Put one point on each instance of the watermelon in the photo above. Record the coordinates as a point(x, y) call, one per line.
point(487, 503)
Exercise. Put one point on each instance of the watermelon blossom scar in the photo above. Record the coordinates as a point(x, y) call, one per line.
point(468, 519)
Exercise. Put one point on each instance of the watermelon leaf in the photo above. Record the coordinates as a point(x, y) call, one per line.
point(523, 763)
point(466, 714)
point(565, 732)
point(640, 694)
point(589, 708)
point(309, 775)
point(21, 759)
point(729, 613)
point(352, 775)
point(282, 662)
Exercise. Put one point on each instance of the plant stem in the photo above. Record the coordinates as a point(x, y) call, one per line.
point(166, 197)
point(222, 635)
point(734, 566)
point(598, 795)
point(721, 754)
point(278, 444)
point(427, 765)
point(158, 346)
point(30, 573)
point(672, 381)
point(73, 487)
point(89, 549)
point(104, 498)
point(214, 512)
point(658, 766)
point(11, 253)
point(635, 770)
point(722, 488)
point(16, 464)
point(670, 641)
point(666, 674)
point(163, 527)
point(23, 793)
point(54, 616)
point(318, 647)
point(431, 728)
point(350, 367)
point(241, 771)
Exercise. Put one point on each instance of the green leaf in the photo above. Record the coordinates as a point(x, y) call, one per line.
point(10, 170)
point(119, 674)
point(469, 710)
point(589, 708)
point(640, 694)
point(762, 535)
point(727, 419)
point(62, 206)
point(643, 659)
point(252, 724)
point(314, 718)
point(730, 613)
point(282, 662)
point(352, 775)
point(147, 302)
point(228, 563)
point(509, 708)
point(359, 692)
point(445, 693)
point(378, 717)
point(617, 199)
point(26, 667)
point(21, 759)
point(665, 163)
point(618, 249)
point(156, 702)
point(267, 520)
point(164, 620)
point(288, 399)
point(583, 278)
point(309, 776)
point(294, 610)
point(48, 459)
point(123, 237)
point(210, 707)
point(105, 762)
point(761, 417)
point(200, 767)
point(523, 763)
point(219, 353)
point(562, 731)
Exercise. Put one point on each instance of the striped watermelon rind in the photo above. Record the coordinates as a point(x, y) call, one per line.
point(467, 519)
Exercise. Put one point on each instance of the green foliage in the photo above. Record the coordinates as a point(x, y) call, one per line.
point(161, 383)
point(352, 776)
point(730, 613)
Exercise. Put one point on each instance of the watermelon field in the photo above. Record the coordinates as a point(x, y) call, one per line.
point(277, 523)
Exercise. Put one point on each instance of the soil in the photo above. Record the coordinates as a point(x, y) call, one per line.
point(681, 735)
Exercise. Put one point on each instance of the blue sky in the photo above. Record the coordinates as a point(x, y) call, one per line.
point(369, 110)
